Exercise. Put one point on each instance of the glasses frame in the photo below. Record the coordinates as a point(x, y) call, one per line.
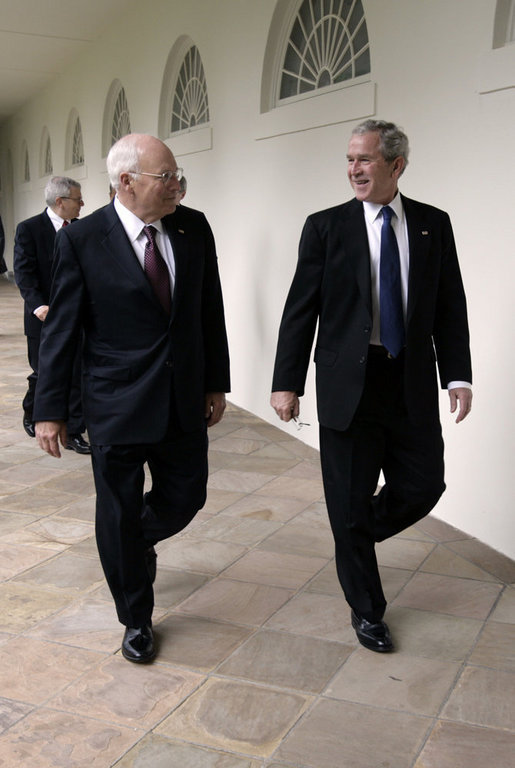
point(75, 199)
point(165, 177)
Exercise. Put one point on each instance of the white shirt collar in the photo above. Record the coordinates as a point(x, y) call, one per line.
point(131, 223)
point(372, 210)
point(56, 220)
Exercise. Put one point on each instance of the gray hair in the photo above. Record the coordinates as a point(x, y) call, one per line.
point(123, 157)
point(59, 186)
point(393, 142)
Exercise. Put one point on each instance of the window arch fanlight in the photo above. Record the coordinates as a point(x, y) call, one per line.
point(25, 167)
point(314, 46)
point(74, 152)
point(184, 102)
point(46, 166)
point(327, 45)
point(116, 116)
point(190, 103)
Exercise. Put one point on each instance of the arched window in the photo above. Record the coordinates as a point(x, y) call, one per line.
point(316, 50)
point(74, 153)
point(190, 105)
point(121, 119)
point(327, 45)
point(46, 166)
point(77, 145)
point(117, 121)
point(184, 113)
point(25, 168)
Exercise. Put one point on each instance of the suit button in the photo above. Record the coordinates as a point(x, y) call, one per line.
point(362, 359)
point(168, 363)
point(367, 329)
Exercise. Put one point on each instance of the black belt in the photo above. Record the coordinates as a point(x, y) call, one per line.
point(377, 350)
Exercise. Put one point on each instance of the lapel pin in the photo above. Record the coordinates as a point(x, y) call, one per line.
point(181, 231)
point(425, 232)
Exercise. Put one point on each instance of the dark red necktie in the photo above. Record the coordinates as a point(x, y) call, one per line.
point(64, 224)
point(156, 269)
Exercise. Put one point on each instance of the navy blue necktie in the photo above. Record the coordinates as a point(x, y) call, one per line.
point(390, 292)
point(156, 269)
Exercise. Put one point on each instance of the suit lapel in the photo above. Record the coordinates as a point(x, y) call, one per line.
point(115, 241)
point(355, 238)
point(419, 239)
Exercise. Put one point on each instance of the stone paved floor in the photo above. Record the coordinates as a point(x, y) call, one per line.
point(258, 666)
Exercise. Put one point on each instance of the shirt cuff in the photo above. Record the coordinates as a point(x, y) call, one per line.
point(456, 384)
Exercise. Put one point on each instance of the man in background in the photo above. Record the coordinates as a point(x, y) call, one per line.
point(33, 258)
point(380, 276)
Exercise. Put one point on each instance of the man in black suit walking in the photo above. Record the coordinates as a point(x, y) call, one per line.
point(33, 257)
point(142, 280)
point(380, 275)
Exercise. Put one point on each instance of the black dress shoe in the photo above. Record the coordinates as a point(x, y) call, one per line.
point(151, 563)
point(29, 427)
point(78, 444)
point(138, 644)
point(372, 635)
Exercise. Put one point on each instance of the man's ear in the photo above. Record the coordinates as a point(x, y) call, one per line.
point(126, 181)
point(398, 166)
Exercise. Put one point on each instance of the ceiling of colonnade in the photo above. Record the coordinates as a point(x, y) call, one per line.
point(39, 39)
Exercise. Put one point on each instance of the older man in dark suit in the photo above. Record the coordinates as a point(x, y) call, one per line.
point(33, 257)
point(143, 282)
point(380, 275)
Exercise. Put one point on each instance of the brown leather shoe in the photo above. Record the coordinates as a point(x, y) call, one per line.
point(372, 635)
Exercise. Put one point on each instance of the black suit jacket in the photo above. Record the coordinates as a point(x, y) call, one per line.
point(332, 286)
point(33, 252)
point(136, 358)
point(3, 265)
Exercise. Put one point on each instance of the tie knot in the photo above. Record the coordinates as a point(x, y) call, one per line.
point(387, 213)
point(150, 231)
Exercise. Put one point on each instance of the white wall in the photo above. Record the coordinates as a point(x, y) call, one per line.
point(429, 62)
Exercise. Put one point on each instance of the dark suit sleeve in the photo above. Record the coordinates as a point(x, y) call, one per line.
point(26, 268)
point(217, 377)
point(301, 311)
point(451, 332)
point(3, 265)
point(61, 334)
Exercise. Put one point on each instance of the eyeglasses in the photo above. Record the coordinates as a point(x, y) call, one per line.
point(165, 177)
point(75, 199)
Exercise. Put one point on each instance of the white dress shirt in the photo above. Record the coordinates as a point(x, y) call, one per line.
point(133, 226)
point(56, 220)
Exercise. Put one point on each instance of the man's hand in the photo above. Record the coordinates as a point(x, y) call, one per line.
point(215, 407)
point(462, 397)
point(285, 404)
point(48, 434)
point(41, 312)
